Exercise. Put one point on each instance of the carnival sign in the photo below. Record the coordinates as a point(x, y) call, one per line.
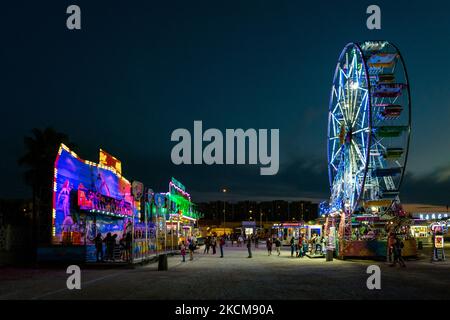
point(137, 188)
point(160, 200)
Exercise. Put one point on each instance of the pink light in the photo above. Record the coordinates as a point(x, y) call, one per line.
point(184, 193)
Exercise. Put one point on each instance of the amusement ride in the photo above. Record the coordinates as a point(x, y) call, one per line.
point(369, 125)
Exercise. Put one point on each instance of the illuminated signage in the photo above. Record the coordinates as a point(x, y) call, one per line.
point(439, 242)
point(432, 216)
point(137, 189)
point(97, 203)
point(109, 161)
point(178, 184)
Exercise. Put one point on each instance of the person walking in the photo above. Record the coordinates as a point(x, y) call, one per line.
point(240, 240)
point(249, 247)
point(256, 241)
point(191, 250)
point(221, 244)
point(278, 246)
point(269, 246)
point(398, 246)
point(183, 251)
point(98, 241)
point(292, 246)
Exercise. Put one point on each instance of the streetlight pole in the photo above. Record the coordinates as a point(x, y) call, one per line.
point(224, 190)
point(260, 220)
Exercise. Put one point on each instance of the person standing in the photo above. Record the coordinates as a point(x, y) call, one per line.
point(278, 246)
point(214, 244)
point(292, 246)
point(128, 246)
point(300, 247)
point(183, 251)
point(305, 246)
point(312, 243)
point(269, 246)
point(113, 246)
point(221, 244)
point(207, 245)
point(249, 247)
point(107, 241)
point(122, 247)
point(256, 240)
point(324, 244)
point(390, 245)
point(318, 243)
point(98, 241)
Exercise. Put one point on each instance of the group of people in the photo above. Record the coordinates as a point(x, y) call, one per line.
point(111, 243)
point(395, 246)
point(191, 245)
point(299, 246)
point(213, 242)
point(240, 239)
point(269, 245)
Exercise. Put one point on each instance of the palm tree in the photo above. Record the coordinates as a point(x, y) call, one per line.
point(41, 149)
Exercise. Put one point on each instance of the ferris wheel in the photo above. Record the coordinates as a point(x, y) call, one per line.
point(369, 125)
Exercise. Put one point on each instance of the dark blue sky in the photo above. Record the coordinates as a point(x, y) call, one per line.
point(140, 69)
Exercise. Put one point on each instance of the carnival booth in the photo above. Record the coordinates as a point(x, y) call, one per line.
point(88, 199)
point(182, 216)
point(421, 229)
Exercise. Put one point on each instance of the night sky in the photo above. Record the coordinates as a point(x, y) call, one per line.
point(137, 70)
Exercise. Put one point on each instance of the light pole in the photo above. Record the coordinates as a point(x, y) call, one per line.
point(224, 190)
point(260, 221)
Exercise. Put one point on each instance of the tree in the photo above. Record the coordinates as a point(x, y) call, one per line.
point(41, 149)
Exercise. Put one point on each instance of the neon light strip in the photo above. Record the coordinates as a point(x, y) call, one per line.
point(184, 193)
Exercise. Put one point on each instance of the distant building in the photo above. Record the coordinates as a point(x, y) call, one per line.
point(265, 211)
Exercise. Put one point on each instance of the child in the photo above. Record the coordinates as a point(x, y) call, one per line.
point(183, 251)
